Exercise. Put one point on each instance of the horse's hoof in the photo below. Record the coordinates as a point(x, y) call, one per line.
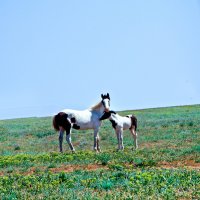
point(117, 150)
point(134, 149)
point(99, 150)
point(73, 151)
point(96, 151)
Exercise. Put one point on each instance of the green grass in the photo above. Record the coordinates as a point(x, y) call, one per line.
point(153, 183)
point(29, 153)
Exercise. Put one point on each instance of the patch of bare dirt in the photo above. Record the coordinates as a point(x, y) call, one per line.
point(152, 144)
point(71, 168)
point(190, 164)
point(1, 173)
point(63, 168)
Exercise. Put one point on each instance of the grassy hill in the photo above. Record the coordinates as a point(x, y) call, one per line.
point(166, 165)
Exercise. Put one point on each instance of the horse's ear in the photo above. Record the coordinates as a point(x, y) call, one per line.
point(102, 96)
point(108, 95)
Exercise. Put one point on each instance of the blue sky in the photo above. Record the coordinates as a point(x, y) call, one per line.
point(64, 54)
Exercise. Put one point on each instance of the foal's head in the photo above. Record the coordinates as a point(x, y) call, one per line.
point(106, 101)
point(107, 115)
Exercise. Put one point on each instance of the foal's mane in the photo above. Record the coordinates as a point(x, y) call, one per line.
point(96, 107)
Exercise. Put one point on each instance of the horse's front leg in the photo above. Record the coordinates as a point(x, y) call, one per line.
point(96, 140)
point(69, 141)
point(61, 139)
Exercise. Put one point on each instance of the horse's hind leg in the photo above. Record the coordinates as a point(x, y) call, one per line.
point(61, 139)
point(69, 141)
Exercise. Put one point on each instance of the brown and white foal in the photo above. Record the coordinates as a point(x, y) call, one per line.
point(121, 123)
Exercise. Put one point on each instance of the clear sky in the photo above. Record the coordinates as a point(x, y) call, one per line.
point(64, 54)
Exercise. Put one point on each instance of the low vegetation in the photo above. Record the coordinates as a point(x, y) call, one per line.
point(166, 165)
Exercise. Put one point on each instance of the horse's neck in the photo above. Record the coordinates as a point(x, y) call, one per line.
point(98, 108)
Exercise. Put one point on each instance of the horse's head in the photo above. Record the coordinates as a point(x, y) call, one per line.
point(106, 102)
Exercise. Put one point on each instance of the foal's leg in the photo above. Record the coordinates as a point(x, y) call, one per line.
point(119, 133)
point(61, 138)
point(121, 139)
point(134, 134)
point(118, 140)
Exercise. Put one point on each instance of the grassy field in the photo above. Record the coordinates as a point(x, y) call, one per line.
point(166, 165)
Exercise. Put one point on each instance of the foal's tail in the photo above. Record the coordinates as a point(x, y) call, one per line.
point(134, 122)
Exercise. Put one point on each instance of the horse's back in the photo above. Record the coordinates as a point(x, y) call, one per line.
point(126, 122)
point(80, 115)
point(122, 122)
point(83, 118)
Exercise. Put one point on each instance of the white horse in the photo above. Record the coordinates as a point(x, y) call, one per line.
point(81, 120)
point(121, 123)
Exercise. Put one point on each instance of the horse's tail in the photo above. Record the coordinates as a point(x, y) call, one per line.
point(134, 122)
point(55, 123)
point(61, 120)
